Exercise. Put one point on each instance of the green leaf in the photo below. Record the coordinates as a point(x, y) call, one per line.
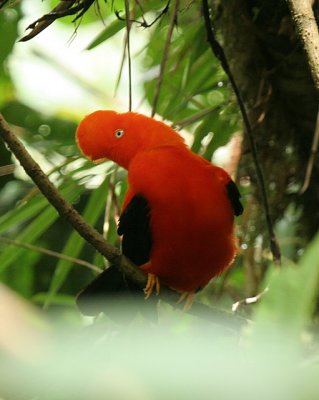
point(9, 19)
point(287, 307)
point(42, 131)
point(9, 30)
point(57, 299)
point(113, 28)
point(21, 276)
point(202, 130)
point(34, 229)
point(117, 25)
point(75, 243)
point(22, 213)
point(222, 129)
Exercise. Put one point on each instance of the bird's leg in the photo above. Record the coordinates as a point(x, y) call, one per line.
point(152, 281)
point(188, 297)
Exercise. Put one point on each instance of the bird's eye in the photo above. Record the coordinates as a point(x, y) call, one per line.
point(119, 133)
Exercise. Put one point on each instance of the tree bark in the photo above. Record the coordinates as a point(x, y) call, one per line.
point(307, 29)
point(271, 68)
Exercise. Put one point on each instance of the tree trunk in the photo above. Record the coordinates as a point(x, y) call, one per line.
point(270, 67)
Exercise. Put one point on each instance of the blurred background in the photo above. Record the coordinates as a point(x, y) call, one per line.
point(70, 69)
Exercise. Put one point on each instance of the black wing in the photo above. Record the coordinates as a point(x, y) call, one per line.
point(111, 292)
point(234, 197)
point(134, 225)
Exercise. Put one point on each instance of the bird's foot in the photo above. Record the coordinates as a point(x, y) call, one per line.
point(188, 297)
point(152, 281)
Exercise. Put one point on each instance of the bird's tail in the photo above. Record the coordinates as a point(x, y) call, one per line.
point(110, 293)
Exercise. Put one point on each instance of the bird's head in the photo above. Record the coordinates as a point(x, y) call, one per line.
point(119, 137)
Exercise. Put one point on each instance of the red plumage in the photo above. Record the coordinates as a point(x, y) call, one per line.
point(191, 201)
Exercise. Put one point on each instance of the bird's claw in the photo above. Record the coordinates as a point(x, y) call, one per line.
point(188, 297)
point(152, 281)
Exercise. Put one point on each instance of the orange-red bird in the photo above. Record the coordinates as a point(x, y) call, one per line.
point(178, 215)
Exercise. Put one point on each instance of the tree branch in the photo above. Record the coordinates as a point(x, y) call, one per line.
point(93, 237)
point(307, 28)
point(219, 53)
point(64, 8)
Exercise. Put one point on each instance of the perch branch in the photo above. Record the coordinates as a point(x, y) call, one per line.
point(93, 237)
point(219, 53)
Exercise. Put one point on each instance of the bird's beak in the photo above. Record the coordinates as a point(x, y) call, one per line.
point(100, 160)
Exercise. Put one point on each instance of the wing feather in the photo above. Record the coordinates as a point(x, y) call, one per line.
point(134, 225)
point(234, 197)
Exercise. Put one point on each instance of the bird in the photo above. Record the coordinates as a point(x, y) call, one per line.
point(177, 220)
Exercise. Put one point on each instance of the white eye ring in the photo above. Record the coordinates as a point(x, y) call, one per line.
point(119, 133)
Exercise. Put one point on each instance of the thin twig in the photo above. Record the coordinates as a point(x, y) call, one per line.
point(249, 300)
point(7, 169)
point(219, 53)
point(312, 157)
point(46, 20)
point(64, 8)
point(118, 80)
point(172, 23)
point(194, 117)
point(128, 46)
point(50, 253)
point(144, 23)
